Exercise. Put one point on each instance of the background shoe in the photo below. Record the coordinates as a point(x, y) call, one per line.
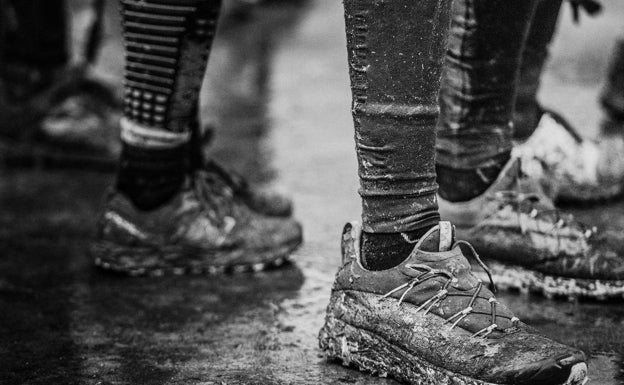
point(532, 246)
point(205, 228)
point(72, 122)
point(430, 321)
point(573, 168)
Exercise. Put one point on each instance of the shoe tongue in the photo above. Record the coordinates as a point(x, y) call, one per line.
point(439, 238)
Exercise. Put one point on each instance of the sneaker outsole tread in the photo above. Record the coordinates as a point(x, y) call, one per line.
point(107, 259)
point(529, 281)
point(368, 352)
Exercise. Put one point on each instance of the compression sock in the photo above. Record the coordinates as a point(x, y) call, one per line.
point(167, 44)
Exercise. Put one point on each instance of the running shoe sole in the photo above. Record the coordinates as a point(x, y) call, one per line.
point(528, 281)
point(173, 260)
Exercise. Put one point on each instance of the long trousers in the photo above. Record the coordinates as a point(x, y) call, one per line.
point(397, 50)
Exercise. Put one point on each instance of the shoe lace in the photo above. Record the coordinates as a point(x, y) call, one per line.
point(427, 273)
point(529, 204)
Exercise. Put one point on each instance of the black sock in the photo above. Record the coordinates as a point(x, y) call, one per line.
point(381, 251)
point(460, 185)
point(151, 177)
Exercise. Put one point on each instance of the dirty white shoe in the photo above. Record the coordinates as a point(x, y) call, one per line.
point(531, 246)
point(572, 168)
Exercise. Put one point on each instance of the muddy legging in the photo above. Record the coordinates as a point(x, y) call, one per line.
point(396, 55)
point(396, 52)
point(480, 80)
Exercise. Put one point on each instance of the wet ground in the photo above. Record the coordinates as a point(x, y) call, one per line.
point(278, 98)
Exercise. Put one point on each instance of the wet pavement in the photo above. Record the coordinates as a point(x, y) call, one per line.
point(278, 99)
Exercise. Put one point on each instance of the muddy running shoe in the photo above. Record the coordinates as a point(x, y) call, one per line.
point(531, 246)
point(205, 228)
point(430, 321)
point(70, 120)
point(574, 169)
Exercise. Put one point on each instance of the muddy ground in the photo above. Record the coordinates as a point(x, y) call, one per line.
point(277, 93)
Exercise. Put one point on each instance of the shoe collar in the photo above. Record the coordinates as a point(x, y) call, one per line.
point(444, 243)
point(448, 257)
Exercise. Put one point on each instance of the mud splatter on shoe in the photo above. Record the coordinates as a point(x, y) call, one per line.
point(573, 168)
point(204, 229)
point(73, 122)
point(532, 246)
point(430, 321)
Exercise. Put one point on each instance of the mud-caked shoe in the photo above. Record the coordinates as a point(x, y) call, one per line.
point(574, 168)
point(531, 246)
point(70, 122)
point(203, 229)
point(430, 321)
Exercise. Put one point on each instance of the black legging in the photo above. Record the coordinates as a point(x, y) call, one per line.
point(396, 52)
point(167, 46)
point(396, 55)
point(480, 80)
